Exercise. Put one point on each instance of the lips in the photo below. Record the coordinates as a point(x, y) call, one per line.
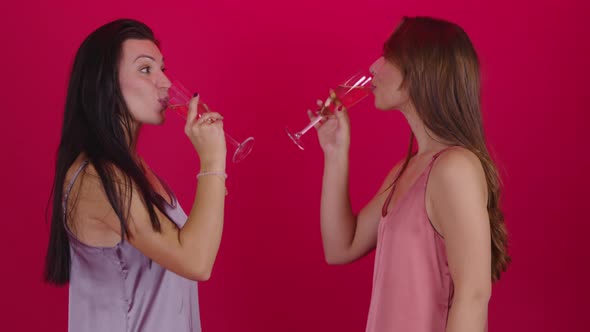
point(164, 102)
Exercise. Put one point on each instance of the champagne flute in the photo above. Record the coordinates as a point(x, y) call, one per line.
point(178, 100)
point(347, 94)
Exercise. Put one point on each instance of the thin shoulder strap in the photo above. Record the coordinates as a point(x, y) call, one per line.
point(390, 195)
point(441, 152)
point(429, 170)
point(436, 155)
point(71, 184)
point(393, 186)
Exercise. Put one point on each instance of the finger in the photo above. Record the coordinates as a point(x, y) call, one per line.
point(205, 119)
point(318, 119)
point(341, 112)
point(192, 109)
point(214, 115)
point(209, 119)
point(212, 120)
point(334, 99)
point(333, 96)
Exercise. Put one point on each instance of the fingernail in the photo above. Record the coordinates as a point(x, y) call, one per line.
point(196, 94)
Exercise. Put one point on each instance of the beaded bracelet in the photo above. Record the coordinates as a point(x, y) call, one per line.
point(221, 175)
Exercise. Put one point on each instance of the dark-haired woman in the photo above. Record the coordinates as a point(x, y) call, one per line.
point(118, 236)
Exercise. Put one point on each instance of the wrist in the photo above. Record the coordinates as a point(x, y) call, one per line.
point(336, 155)
point(213, 166)
point(219, 174)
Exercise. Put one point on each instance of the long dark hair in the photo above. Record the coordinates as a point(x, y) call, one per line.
point(440, 69)
point(97, 122)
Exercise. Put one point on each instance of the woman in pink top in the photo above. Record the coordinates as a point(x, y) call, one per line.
point(435, 222)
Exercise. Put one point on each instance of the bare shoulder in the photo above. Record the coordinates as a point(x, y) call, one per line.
point(91, 200)
point(89, 208)
point(458, 167)
point(457, 193)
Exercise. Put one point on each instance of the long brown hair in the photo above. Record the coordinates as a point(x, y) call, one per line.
point(441, 72)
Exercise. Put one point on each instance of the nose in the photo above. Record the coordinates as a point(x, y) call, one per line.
point(376, 65)
point(164, 82)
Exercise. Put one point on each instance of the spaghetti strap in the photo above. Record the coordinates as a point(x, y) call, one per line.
point(71, 184)
point(394, 184)
point(436, 155)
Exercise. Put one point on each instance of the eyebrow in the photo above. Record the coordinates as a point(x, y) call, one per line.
point(146, 56)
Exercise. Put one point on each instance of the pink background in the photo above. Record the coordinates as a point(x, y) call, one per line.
point(262, 64)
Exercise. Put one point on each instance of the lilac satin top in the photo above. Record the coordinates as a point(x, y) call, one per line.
point(119, 289)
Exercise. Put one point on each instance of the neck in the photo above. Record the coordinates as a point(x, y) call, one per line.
point(427, 141)
point(135, 130)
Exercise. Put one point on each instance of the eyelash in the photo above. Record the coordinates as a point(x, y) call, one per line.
point(149, 70)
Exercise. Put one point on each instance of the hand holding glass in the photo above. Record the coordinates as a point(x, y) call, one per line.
point(346, 94)
point(178, 100)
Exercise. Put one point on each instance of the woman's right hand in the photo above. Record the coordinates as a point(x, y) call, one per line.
point(334, 131)
point(205, 132)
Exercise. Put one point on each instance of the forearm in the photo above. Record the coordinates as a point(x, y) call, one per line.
point(337, 220)
point(201, 235)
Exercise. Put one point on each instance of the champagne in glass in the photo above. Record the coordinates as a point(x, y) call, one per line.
point(178, 100)
point(347, 94)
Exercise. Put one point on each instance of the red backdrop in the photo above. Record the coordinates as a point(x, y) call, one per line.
point(262, 64)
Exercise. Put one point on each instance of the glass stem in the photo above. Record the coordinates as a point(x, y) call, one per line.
point(310, 125)
point(232, 140)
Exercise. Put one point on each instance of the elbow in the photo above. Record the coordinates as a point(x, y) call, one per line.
point(332, 259)
point(201, 276)
point(482, 293)
point(479, 294)
point(200, 273)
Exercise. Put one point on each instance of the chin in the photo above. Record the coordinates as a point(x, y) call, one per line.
point(155, 121)
point(160, 121)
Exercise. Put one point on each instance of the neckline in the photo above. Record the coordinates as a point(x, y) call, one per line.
point(404, 196)
point(411, 187)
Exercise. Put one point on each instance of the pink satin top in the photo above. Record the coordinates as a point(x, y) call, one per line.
point(412, 285)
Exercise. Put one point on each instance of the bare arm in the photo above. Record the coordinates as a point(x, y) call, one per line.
point(346, 237)
point(457, 202)
point(190, 251)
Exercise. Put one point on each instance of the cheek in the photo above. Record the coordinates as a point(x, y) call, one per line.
point(135, 93)
point(129, 88)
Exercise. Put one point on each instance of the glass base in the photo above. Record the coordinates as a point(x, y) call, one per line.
point(243, 150)
point(296, 138)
